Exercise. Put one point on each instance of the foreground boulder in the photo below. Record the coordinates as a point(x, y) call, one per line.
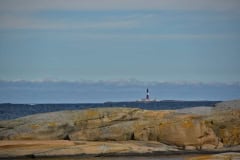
point(189, 131)
point(225, 121)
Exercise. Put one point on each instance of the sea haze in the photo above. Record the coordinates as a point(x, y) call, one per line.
point(105, 91)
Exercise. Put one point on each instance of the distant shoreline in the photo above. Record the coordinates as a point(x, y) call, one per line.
point(116, 102)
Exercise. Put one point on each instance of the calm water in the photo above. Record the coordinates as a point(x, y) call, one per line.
point(11, 111)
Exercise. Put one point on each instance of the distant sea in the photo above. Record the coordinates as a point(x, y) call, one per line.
point(12, 111)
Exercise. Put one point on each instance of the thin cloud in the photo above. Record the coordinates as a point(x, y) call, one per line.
point(11, 21)
point(154, 36)
point(30, 5)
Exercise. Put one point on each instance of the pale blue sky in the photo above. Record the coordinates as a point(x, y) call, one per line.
point(146, 40)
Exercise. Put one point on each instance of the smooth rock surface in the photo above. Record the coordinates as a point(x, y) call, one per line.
point(118, 124)
point(222, 156)
point(201, 128)
point(201, 110)
point(57, 148)
point(225, 122)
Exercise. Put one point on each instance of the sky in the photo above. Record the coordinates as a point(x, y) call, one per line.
point(162, 41)
point(147, 40)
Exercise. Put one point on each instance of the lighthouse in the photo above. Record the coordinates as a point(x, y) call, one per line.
point(147, 95)
point(147, 98)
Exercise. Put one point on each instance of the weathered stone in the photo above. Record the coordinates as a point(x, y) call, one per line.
point(225, 121)
point(53, 148)
point(201, 110)
point(188, 131)
point(185, 130)
point(222, 156)
point(118, 132)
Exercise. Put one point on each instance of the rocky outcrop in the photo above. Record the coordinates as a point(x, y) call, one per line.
point(57, 148)
point(201, 110)
point(221, 156)
point(192, 129)
point(225, 122)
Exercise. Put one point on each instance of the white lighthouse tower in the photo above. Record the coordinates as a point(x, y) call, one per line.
point(147, 95)
point(147, 98)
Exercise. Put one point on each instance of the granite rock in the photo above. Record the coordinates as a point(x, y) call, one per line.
point(214, 128)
